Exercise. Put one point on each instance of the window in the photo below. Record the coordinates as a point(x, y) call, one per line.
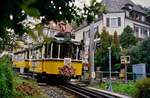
point(127, 13)
point(83, 35)
point(86, 34)
point(143, 18)
point(143, 31)
point(113, 22)
point(107, 22)
point(136, 30)
point(138, 17)
point(119, 21)
point(96, 29)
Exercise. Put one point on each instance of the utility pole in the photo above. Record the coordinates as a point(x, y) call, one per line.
point(110, 85)
point(126, 79)
point(91, 52)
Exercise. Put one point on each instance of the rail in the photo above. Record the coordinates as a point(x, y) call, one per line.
point(90, 93)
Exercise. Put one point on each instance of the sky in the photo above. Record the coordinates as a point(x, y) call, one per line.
point(142, 2)
point(145, 3)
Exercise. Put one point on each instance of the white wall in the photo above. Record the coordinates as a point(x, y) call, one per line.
point(101, 24)
point(79, 33)
point(114, 15)
point(131, 24)
point(111, 30)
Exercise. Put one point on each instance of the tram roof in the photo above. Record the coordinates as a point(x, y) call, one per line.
point(21, 51)
point(63, 40)
point(56, 39)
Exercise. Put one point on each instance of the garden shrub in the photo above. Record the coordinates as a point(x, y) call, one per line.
point(6, 78)
point(143, 88)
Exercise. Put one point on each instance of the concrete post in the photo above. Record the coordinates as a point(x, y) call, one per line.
point(91, 52)
point(110, 86)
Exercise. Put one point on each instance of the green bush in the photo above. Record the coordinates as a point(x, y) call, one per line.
point(122, 88)
point(6, 78)
point(143, 88)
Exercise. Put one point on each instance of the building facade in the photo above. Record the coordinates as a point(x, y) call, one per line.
point(120, 13)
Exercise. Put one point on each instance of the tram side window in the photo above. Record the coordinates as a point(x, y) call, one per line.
point(15, 57)
point(33, 54)
point(45, 52)
point(73, 52)
point(68, 51)
point(40, 53)
point(37, 54)
point(77, 52)
point(24, 54)
point(55, 50)
point(27, 54)
point(80, 54)
point(19, 57)
point(49, 50)
point(30, 54)
point(62, 52)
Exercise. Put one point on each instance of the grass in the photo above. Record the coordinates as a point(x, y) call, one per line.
point(119, 87)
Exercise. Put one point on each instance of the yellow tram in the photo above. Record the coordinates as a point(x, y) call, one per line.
point(45, 60)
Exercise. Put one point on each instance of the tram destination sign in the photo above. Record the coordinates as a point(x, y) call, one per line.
point(67, 61)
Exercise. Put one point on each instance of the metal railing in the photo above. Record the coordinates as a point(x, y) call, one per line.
point(104, 75)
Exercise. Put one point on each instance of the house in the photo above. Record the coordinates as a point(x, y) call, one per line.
point(52, 30)
point(120, 13)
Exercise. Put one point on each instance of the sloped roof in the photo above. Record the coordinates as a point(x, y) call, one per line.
point(117, 5)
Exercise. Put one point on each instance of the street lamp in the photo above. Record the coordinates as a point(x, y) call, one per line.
point(110, 86)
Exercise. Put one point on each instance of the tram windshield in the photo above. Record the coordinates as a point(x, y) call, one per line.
point(62, 50)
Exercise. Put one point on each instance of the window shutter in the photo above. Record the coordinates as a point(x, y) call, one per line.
point(107, 22)
point(83, 35)
point(119, 21)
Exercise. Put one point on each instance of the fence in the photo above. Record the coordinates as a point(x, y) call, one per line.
point(104, 76)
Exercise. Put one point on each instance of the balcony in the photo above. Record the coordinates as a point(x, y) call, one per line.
point(138, 17)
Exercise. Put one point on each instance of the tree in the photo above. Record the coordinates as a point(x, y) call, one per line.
point(14, 12)
point(140, 52)
point(147, 11)
point(127, 38)
point(6, 77)
point(101, 55)
point(115, 49)
point(10, 18)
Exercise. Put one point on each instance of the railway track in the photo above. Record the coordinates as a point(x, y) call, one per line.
point(84, 92)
